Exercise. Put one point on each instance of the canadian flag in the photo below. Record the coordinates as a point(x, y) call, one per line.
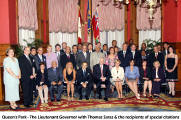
point(79, 28)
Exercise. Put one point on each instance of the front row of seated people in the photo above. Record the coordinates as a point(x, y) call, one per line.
point(101, 76)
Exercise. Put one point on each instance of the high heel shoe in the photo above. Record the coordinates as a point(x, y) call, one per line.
point(12, 107)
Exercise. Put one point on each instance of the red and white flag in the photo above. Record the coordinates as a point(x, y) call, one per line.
point(95, 24)
point(79, 28)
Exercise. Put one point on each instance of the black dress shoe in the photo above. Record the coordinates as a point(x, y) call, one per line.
point(52, 100)
point(58, 100)
point(100, 97)
point(156, 96)
point(27, 106)
point(106, 99)
point(80, 98)
point(87, 98)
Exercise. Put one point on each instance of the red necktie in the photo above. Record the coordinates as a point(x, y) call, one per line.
point(102, 71)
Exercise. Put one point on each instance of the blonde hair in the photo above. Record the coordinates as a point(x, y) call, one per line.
point(7, 51)
point(67, 65)
point(117, 60)
point(156, 62)
point(49, 46)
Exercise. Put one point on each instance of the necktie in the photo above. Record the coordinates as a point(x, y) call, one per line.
point(58, 56)
point(124, 53)
point(84, 73)
point(156, 55)
point(29, 59)
point(101, 70)
point(68, 56)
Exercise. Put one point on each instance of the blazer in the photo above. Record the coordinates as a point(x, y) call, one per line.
point(117, 73)
point(33, 62)
point(152, 59)
point(97, 73)
point(26, 68)
point(65, 59)
point(124, 60)
point(38, 61)
point(160, 73)
point(56, 77)
point(39, 77)
point(137, 58)
point(81, 78)
point(148, 73)
point(81, 58)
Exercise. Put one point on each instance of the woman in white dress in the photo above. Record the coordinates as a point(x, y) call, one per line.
point(118, 78)
point(12, 75)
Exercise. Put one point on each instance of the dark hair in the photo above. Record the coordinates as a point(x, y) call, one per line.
point(74, 46)
point(111, 48)
point(172, 48)
point(166, 43)
point(131, 61)
point(98, 43)
point(90, 44)
point(57, 45)
point(32, 48)
point(114, 41)
point(104, 45)
point(42, 63)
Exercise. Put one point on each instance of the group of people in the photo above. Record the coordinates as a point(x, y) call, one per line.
point(90, 69)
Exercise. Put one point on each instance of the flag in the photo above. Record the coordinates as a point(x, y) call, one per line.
point(79, 28)
point(95, 24)
point(88, 18)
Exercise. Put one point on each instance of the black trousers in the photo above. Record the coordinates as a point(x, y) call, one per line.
point(99, 89)
point(88, 89)
point(35, 91)
point(156, 86)
point(27, 88)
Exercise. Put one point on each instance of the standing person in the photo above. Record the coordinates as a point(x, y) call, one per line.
point(50, 56)
point(42, 83)
point(79, 47)
point(105, 50)
point(12, 75)
point(32, 57)
point(124, 56)
point(132, 76)
point(75, 52)
point(135, 55)
point(165, 50)
point(84, 80)
point(116, 49)
point(111, 58)
point(90, 48)
point(98, 44)
point(102, 77)
point(55, 78)
point(145, 78)
point(39, 58)
point(59, 53)
point(159, 48)
point(158, 78)
point(95, 57)
point(114, 43)
point(156, 56)
point(83, 56)
point(69, 74)
point(27, 76)
point(144, 52)
point(171, 64)
point(118, 78)
point(67, 57)
point(64, 45)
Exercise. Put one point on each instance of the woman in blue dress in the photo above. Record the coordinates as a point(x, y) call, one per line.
point(12, 75)
point(132, 76)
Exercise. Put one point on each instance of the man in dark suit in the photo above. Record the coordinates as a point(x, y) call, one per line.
point(74, 51)
point(102, 77)
point(64, 45)
point(144, 52)
point(83, 56)
point(135, 55)
point(55, 78)
point(105, 50)
point(156, 56)
point(67, 57)
point(165, 48)
point(59, 53)
point(39, 57)
point(124, 56)
point(27, 75)
point(84, 80)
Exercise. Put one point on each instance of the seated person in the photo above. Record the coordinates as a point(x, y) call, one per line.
point(69, 75)
point(42, 83)
point(55, 78)
point(84, 80)
point(118, 78)
point(102, 77)
point(145, 77)
point(158, 78)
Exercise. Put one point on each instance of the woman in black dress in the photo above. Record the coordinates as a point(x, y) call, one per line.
point(145, 78)
point(69, 74)
point(171, 63)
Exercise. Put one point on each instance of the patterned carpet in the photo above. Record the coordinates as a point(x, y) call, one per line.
point(130, 103)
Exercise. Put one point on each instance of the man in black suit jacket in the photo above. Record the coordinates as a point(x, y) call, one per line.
point(83, 56)
point(64, 45)
point(55, 78)
point(67, 57)
point(156, 56)
point(124, 56)
point(59, 53)
point(39, 57)
point(102, 77)
point(135, 55)
point(27, 75)
point(84, 80)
